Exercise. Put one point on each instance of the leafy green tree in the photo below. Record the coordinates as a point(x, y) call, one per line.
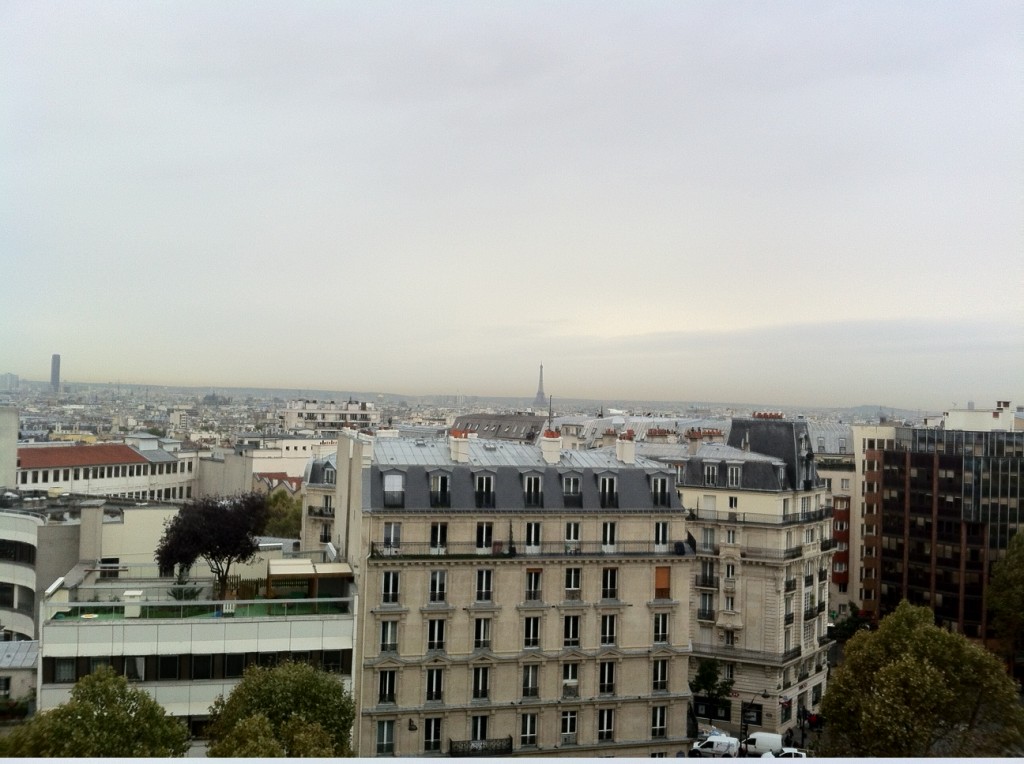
point(850, 625)
point(1006, 598)
point(913, 689)
point(221, 531)
point(284, 518)
point(292, 710)
point(104, 717)
point(708, 684)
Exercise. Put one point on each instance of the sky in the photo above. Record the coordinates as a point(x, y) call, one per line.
point(816, 203)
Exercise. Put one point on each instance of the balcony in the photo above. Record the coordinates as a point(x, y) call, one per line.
point(394, 498)
point(706, 582)
point(321, 512)
point(822, 641)
point(484, 499)
point(432, 644)
point(708, 549)
point(823, 575)
point(821, 607)
point(555, 549)
point(789, 618)
point(533, 595)
point(759, 657)
point(482, 644)
point(793, 518)
point(827, 544)
point(440, 498)
point(790, 584)
point(809, 580)
point(573, 595)
point(572, 499)
point(568, 738)
point(435, 696)
point(607, 688)
point(491, 747)
point(810, 613)
point(611, 593)
point(662, 593)
point(570, 690)
point(762, 553)
point(705, 614)
point(530, 692)
point(609, 500)
point(533, 499)
point(389, 647)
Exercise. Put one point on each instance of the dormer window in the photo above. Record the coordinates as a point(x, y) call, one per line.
point(710, 474)
point(484, 490)
point(394, 489)
point(608, 495)
point(571, 491)
point(659, 491)
point(330, 475)
point(440, 490)
point(734, 475)
point(532, 494)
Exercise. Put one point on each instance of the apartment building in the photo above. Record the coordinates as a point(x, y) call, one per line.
point(951, 501)
point(761, 528)
point(319, 484)
point(231, 470)
point(516, 599)
point(835, 462)
point(139, 470)
point(327, 417)
point(870, 443)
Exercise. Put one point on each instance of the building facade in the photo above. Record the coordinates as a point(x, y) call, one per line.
point(762, 530)
point(327, 417)
point(517, 599)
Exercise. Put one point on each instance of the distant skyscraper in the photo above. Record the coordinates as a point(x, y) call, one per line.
point(55, 372)
point(541, 399)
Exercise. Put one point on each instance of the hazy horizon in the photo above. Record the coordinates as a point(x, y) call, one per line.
point(814, 204)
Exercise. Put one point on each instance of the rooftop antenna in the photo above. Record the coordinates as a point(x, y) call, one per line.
point(551, 416)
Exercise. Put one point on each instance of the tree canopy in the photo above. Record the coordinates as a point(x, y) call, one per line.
point(1006, 597)
point(104, 717)
point(284, 519)
point(221, 531)
point(913, 689)
point(290, 710)
point(708, 683)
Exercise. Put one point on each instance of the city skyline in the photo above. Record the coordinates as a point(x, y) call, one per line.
point(814, 205)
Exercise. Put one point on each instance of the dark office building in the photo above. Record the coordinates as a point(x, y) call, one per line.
point(951, 501)
point(55, 372)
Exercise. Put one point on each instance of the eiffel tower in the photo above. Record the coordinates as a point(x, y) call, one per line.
point(540, 400)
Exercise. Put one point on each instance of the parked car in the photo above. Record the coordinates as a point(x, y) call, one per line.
point(716, 746)
point(785, 753)
point(760, 743)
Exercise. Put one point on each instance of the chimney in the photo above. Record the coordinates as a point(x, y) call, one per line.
point(458, 442)
point(625, 448)
point(551, 447)
point(693, 439)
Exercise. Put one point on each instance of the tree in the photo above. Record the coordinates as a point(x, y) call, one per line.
point(708, 684)
point(284, 515)
point(850, 625)
point(221, 531)
point(291, 710)
point(913, 689)
point(1006, 598)
point(104, 717)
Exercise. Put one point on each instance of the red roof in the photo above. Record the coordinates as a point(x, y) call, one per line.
point(48, 457)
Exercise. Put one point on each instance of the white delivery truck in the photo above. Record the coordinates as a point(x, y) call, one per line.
point(716, 746)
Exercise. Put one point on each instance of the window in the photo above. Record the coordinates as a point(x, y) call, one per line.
point(482, 633)
point(572, 583)
point(606, 678)
point(394, 489)
point(484, 537)
point(481, 682)
point(710, 474)
point(432, 734)
point(478, 728)
point(661, 534)
point(5, 687)
point(659, 681)
point(571, 495)
point(435, 685)
point(659, 717)
point(572, 533)
point(844, 484)
point(533, 579)
point(571, 631)
point(532, 535)
point(662, 583)
point(528, 730)
point(167, 667)
point(532, 495)
point(435, 634)
point(610, 584)
point(386, 686)
point(734, 502)
point(568, 728)
point(531, 632)
point(438, 585)
point(570, 680)
point(605, 724)
point(661, 627)
point(64, 670)
point(388, 636)
point(438, 537)
point(608, 496)
point(234, 665)
point(483, 585)
point(440, 493)
point(202, 667)
point(730, 638)
point(733, 476)
point(484, 491)
point(608, 535)
point(531, 681)
point(730, 536)
point(816, 694)
point(608, 624)
point(389, 595)
point(659, 491)
point(386, 737)
point(392, 535)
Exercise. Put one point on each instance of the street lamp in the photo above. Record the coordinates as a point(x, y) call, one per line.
point(748, 715)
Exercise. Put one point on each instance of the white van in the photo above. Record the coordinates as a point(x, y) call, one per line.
point(716, 746)
point(760, 743)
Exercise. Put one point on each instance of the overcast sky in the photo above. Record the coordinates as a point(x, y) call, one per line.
point(817, 203)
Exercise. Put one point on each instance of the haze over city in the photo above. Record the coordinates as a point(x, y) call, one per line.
point(797, 203)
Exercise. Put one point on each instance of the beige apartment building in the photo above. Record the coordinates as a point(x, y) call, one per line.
point(761, 525)
point(515, 599)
